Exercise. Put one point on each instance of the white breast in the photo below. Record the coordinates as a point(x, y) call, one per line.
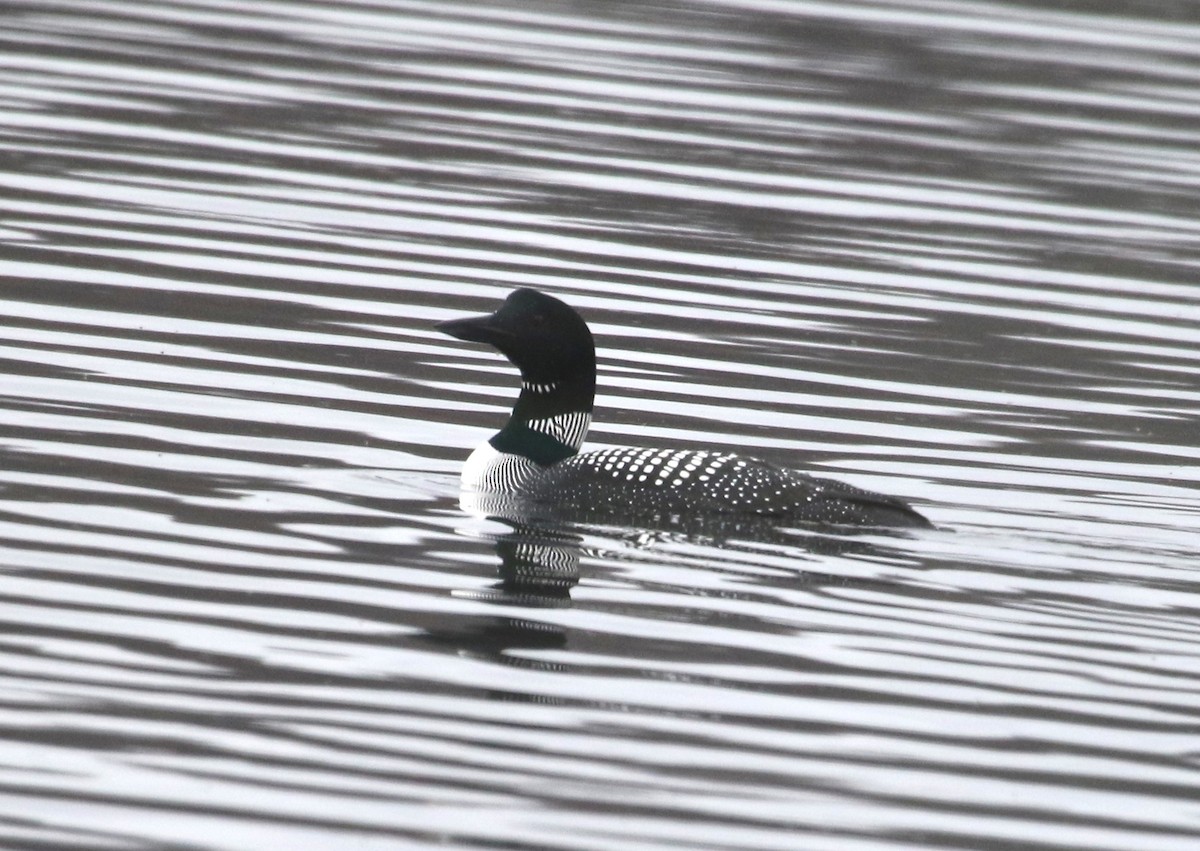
point(489, 471)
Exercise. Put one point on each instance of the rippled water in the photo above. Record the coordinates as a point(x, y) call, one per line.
point(946, 251)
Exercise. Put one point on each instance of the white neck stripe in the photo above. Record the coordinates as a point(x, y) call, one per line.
point(570, 428)
point(540, 389)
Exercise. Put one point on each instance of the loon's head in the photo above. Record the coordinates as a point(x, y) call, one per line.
point(543, 337)
point(552, 346)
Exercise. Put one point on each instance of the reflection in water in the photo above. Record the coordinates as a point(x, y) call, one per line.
point(538, 568)
point(495, 638)
point(539, 565)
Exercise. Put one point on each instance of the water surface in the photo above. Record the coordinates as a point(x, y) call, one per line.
point(947, 252)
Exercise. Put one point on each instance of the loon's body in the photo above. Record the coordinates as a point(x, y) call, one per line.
point(535, 457)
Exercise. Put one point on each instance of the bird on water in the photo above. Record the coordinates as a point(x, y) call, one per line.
point(535, 457)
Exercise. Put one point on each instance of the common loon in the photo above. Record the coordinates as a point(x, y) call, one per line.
point(535, 456)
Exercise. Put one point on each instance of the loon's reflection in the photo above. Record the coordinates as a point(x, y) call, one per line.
point(539, 565)
point(539, 555)
point(538, 568)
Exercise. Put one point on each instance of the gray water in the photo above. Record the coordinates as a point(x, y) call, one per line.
point(947, 251)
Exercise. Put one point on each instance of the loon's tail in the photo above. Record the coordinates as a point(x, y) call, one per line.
point(874, 509)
